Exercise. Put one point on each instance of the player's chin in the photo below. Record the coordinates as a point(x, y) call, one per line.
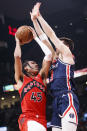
point(36, 71)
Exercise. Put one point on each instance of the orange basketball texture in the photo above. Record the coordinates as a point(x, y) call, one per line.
point(24, 34)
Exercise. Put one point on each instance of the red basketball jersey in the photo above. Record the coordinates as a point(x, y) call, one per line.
point(33, 99)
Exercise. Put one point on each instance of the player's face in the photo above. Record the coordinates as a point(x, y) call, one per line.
point(33, 67)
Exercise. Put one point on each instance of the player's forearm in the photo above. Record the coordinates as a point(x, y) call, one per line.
point(17, 51)
point(46, 27)
point(44, 48)
point(42, 36)
point(17, 63)
point(18, 68)
point(49, 32)
point(37, 27)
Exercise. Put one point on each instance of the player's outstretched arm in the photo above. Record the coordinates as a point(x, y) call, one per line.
point(40, 32)
point(49, 31)
point(17, 63)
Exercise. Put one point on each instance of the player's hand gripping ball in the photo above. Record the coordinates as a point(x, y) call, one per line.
point(24, 34)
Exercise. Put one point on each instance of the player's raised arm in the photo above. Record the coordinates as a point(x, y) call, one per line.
point(40, 32)
point(49, 31)
point(17, 63)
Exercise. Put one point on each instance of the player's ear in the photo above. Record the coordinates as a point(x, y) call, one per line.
point(26, 68)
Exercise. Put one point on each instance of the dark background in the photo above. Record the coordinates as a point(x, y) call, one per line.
point(67, 18)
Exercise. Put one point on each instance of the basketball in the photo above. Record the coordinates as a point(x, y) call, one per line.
point(24, 34)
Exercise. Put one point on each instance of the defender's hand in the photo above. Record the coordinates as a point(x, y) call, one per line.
point(35, 11)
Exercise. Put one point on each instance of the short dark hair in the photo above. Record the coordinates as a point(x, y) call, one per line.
point(68, 42)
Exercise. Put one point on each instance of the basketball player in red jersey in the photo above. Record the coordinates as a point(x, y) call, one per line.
point(65, 103)
point(31, 85)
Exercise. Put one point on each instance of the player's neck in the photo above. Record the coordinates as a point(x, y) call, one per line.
point(32, 75)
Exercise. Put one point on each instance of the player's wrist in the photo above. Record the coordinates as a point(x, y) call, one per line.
point(39, 16)
point(33, 18)
point(17, 55)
